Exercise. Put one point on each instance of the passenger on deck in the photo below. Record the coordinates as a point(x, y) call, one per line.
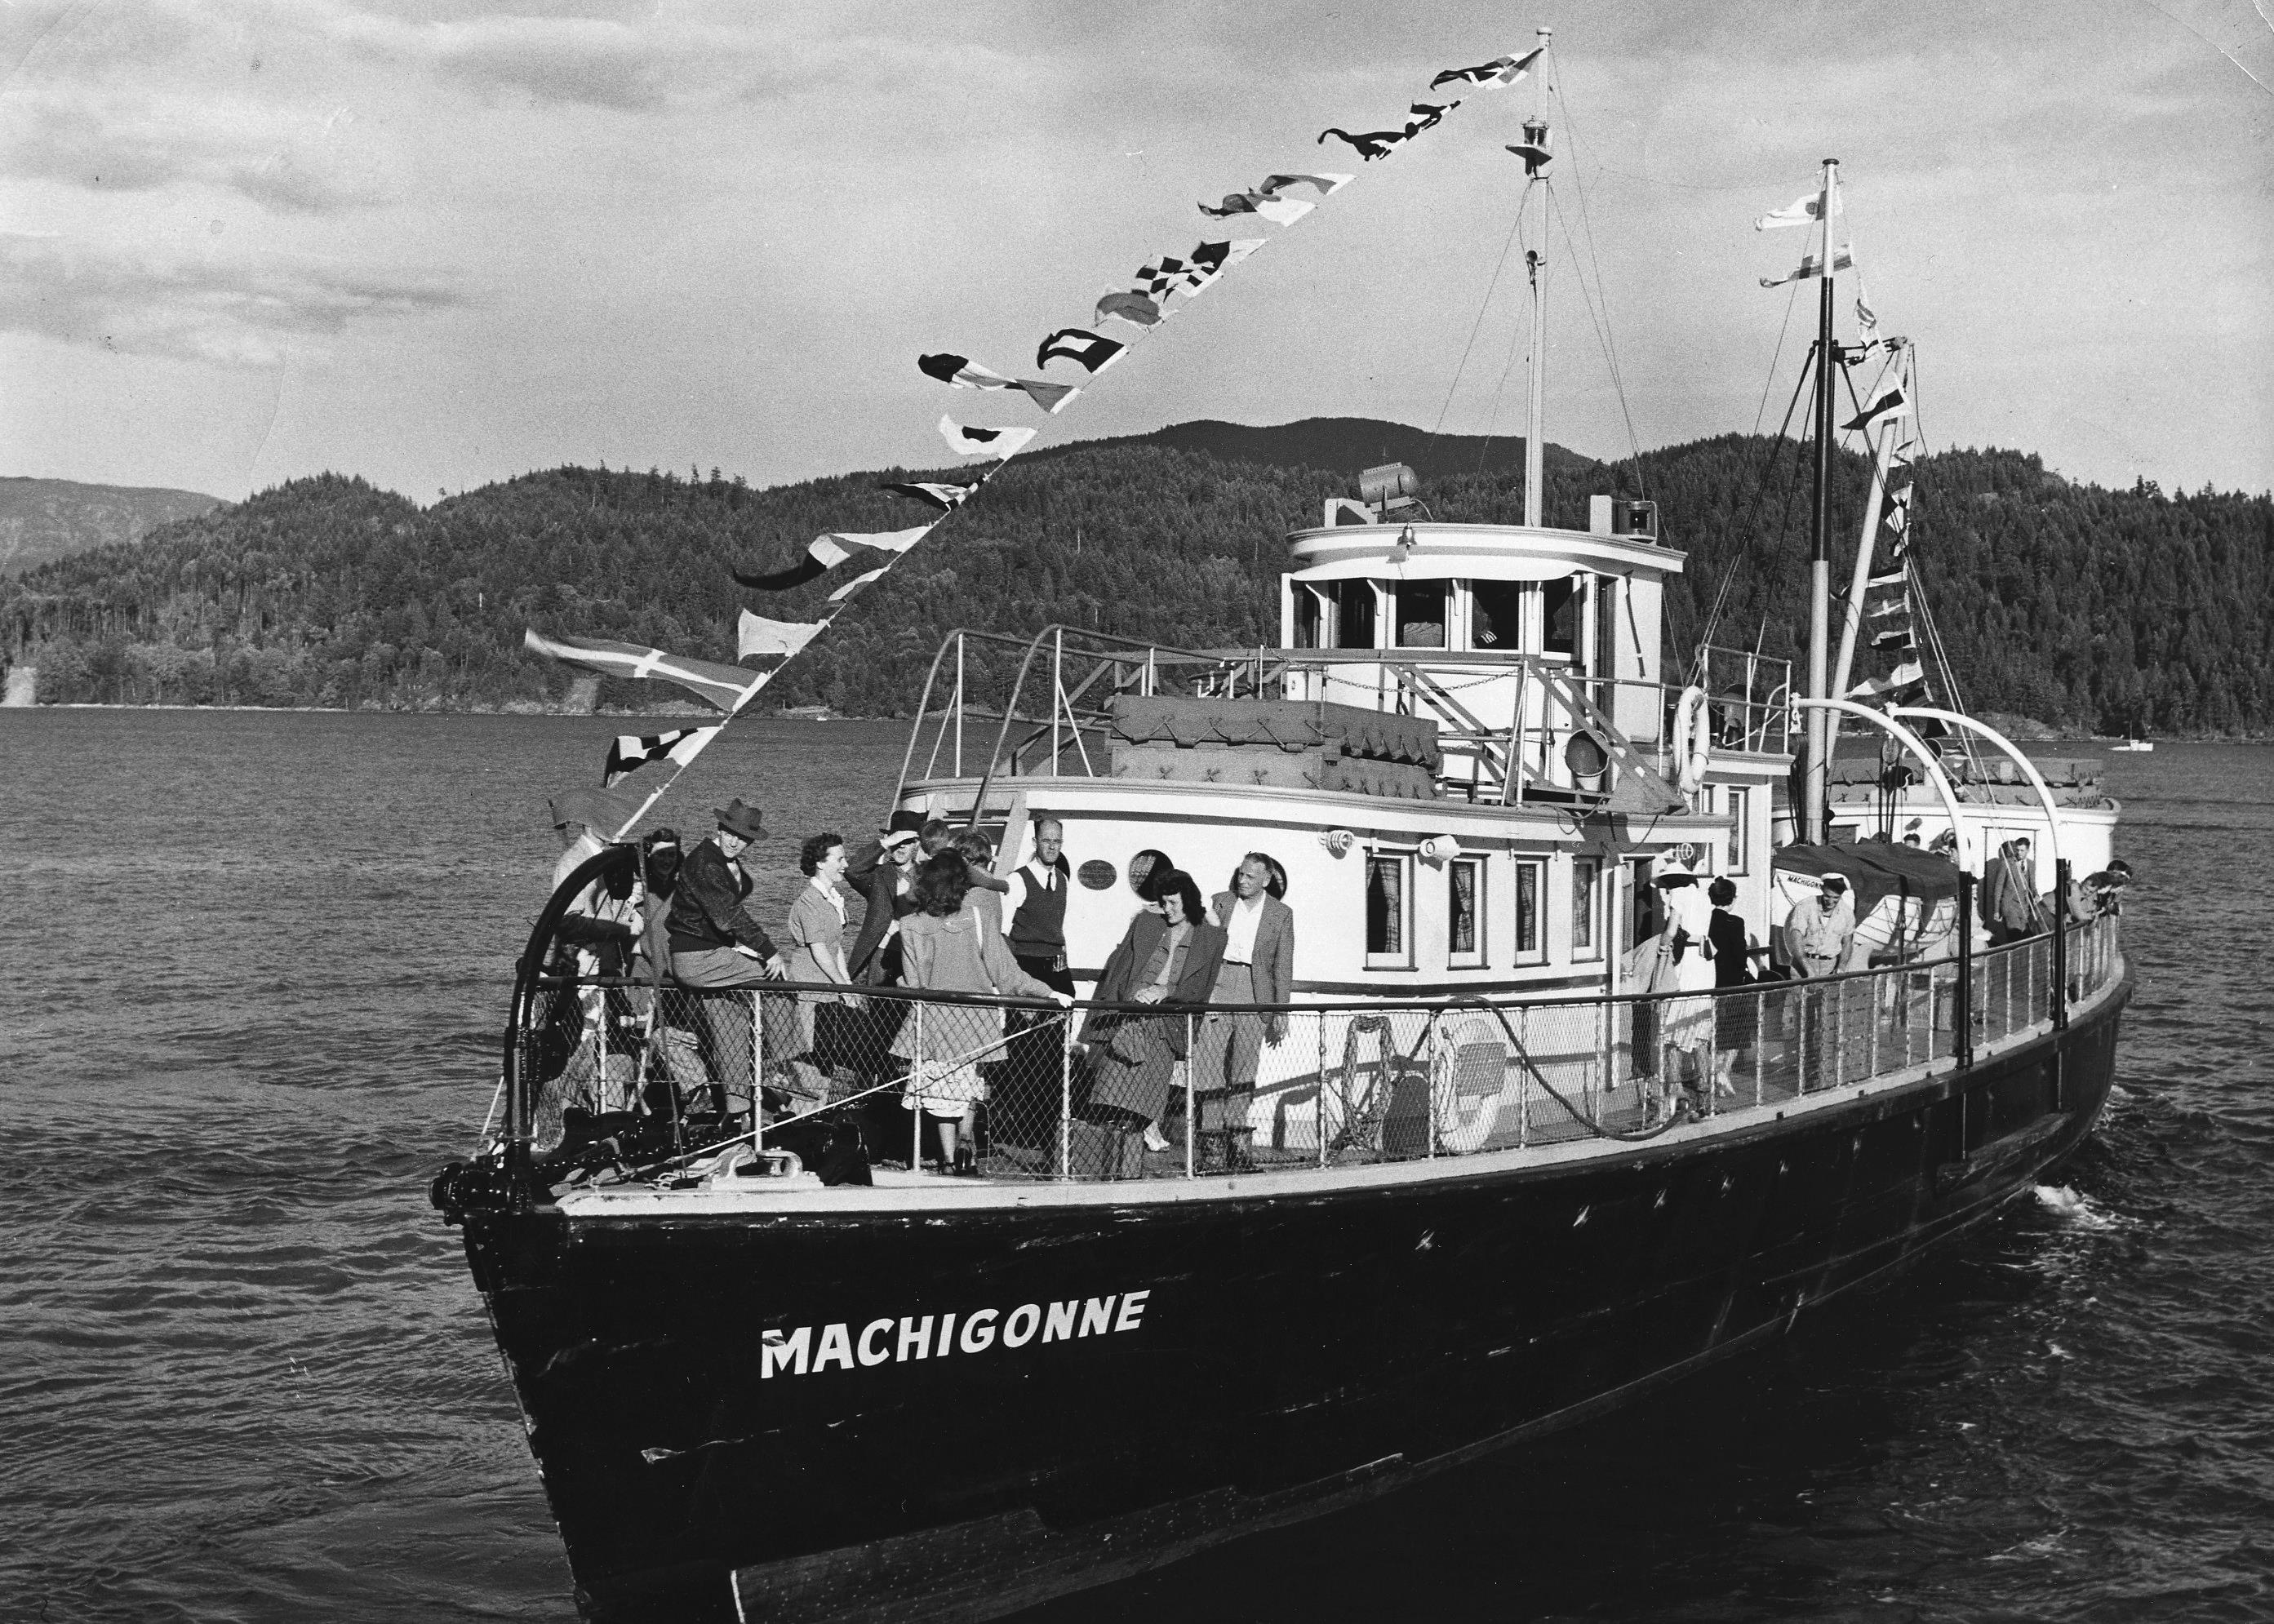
point(1736, 1022)
point(2009, 893)
point(716, 945)
point(986, 893)
point(1818, 936)
point(1686, 1029)
point(1169, 959)
point(1034, 915)
point(888, 886)
point(946, 950)
point(582, 820)
point(825, 1021)
point(1258, 967)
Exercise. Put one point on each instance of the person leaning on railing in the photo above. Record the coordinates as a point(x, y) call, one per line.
point(948, 949)
point(717, 946)
point(1169, 959)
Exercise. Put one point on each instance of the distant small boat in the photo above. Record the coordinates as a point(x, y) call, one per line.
point(2135, 743)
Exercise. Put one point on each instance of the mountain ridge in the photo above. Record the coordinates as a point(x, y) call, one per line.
point(44, 520)
point(2079, 605)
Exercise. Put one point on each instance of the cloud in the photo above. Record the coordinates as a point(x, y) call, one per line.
point(586, 61)
point(286, 161)
point(246, 315)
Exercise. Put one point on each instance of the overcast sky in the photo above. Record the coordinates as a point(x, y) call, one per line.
point(441, 244)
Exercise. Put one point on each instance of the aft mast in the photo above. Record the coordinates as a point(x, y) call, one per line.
point(1817, 741)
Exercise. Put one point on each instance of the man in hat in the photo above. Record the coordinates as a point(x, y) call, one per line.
point(582, 819)
point(1817, 939)
point(716, 946)
point(887, 883)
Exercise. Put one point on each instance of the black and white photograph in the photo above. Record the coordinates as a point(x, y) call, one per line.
point(872, 814)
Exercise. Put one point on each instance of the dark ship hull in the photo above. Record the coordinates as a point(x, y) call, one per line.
point(1223, 1359)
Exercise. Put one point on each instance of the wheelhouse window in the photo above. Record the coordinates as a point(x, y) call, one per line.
point(1559, 607)
point(1496, 616)
point(1421, 613)
point(1388, 911)
point(1353, 614)
point(1531, 947)
point(1310, 617)
point(1586, 908)
point(1606, 661)
point(1465, 913)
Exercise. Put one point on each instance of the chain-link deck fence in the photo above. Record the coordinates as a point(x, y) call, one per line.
point(1006, 1088)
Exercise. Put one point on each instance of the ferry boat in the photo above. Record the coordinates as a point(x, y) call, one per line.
point(1463, 1206)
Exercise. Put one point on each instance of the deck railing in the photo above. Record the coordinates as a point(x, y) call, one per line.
point(1038, 1092)
point(996, 707)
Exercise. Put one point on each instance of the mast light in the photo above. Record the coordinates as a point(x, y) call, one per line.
point(1537, 147)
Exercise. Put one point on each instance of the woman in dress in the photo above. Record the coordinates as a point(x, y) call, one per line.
point(946, 948)
point(1169, 959)
point(816, 935)
point(1735, 1024)
point(1686, 1025)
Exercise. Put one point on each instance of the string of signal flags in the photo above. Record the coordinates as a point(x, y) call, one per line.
point(1159, 289)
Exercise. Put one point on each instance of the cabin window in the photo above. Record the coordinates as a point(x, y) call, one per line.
point(1559, 606)
point(1389, 912)
point(1586, 908)
point(1310, 618)
point(1421, 613)
point(1741, 828)
point(1607, 626)
point(1529, 946)
point(1353, 614)
point(1496, 616)
point(1465, 913)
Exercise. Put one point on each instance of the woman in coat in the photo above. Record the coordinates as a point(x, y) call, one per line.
point(1169, 959)
point(945, 948)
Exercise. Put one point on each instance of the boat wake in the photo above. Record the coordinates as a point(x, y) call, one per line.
point(2074, 1207)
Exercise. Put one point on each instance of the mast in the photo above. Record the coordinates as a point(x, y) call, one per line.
point(1534, 153)
point(1816, 757)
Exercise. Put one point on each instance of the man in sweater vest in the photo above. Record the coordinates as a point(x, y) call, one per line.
point(1034, 913)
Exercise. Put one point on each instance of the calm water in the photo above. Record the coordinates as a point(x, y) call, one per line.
point(254, 971)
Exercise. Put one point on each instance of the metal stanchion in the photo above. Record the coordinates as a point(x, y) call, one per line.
point(1066, 1096)
point(1192, 1108)
point(2060, 944)
point(1961, 1014)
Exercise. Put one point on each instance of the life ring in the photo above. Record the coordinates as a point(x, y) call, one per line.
point(1693, 718)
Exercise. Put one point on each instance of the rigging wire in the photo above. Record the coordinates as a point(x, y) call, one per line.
point(1492, 418)
point(1587, 227)
point(1760, 490)
point(1483, 309)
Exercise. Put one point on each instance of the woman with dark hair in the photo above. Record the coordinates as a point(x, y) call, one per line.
point(816, 935)
point(1736, 1027)
point(1169, 960)
point(945, 948)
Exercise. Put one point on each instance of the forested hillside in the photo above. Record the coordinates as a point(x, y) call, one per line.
point(2081, 606)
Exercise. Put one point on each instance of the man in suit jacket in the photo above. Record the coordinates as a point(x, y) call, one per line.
point(1258, 967)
